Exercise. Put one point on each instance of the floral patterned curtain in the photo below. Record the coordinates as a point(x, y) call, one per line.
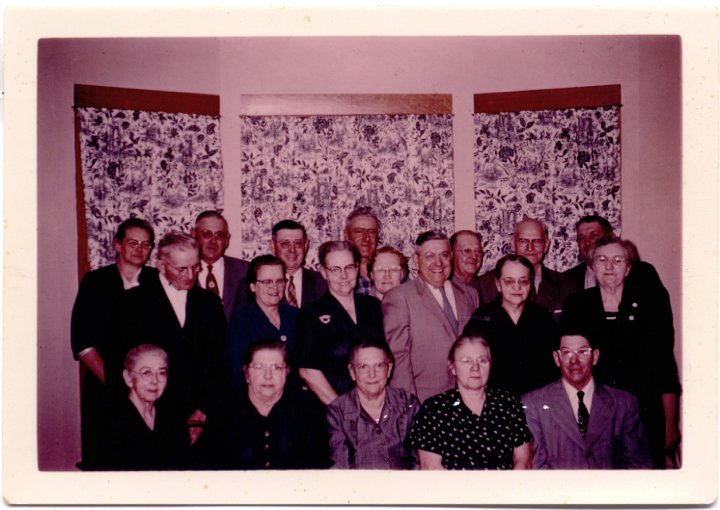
point(553, 165)
point(317, 169)
point(162, 167)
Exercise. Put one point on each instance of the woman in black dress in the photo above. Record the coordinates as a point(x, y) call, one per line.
point(328, 326)
point(521, 334)
point(144, 433)
point(267, 424)
point(632, 325)
point(472, 426)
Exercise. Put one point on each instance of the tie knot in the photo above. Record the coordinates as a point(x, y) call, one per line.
point(209, 268)
point(580, 395)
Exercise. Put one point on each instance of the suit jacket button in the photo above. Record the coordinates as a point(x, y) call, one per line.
point(588, 454)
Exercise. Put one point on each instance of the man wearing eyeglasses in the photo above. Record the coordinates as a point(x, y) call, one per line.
point(467, 258)
point(220, 273)
point(186, 321)
point(290, 244)
point(550, 288)
point(423, 317)
point(362, 229)
point(92, 315)
point(577, 423)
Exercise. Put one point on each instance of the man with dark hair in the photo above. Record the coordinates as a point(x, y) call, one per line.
point(467, 251)
point(220, 273)
point(422, 318)
point(186, 321)
point(290, 244)
point(589, 229)
point(578, 423)
point(92, 315)
point(550, 288)
point(362, 229)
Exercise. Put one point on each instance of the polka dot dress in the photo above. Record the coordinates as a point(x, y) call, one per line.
point(447, 427)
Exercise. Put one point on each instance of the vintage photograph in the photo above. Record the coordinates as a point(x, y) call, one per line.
point(301, 260)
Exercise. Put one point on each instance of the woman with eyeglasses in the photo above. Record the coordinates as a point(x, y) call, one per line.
point(387, 268)
point(370, 424)
point(266, 316)
point(633, 328)
point(144, 432)
point(473, 426)
point(522, 334)
point(267, 424)
point(327, 327)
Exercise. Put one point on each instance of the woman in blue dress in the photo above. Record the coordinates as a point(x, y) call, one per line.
point(267, 316)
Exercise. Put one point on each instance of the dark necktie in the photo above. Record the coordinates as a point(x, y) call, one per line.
point(448, 311)
point(583, 415)
point(291, 293)
point(211, 282)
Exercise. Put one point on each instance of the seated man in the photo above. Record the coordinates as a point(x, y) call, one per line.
point(577, 423)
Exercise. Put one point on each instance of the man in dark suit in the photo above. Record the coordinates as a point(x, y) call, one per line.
point(220, 274)
point(577, 423)
point(424, 316)
point(550, 288)
point(188, 322)
point(588, 230)
point(290, 244)
point(95, 306)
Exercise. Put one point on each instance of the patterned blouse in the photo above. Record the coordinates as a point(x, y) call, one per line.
point(447, 427)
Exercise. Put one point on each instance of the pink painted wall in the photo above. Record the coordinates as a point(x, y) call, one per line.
point(647, 68)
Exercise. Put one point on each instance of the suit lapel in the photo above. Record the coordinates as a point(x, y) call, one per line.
point(563, 415)
point(601, 414)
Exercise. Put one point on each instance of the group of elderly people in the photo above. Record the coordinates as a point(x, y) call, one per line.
point(210, 362)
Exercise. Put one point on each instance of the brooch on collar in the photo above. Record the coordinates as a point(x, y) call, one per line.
point(325, 319)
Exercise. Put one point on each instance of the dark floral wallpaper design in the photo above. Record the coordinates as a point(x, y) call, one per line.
point(317, 169)
point(553, 165)
point(163, 167)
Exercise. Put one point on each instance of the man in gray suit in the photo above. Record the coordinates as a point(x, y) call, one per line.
point(550, 288)
point(220, 274)
point(577, 423)
point(423, 317)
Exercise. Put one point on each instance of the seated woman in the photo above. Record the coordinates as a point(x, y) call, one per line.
point(265, 317)
point(521, 334)
point(328, 326)
point(387, 268)
point(143, 435)
point(472, 426)
point(370, 424)
point(267, 425)
point(631, 320)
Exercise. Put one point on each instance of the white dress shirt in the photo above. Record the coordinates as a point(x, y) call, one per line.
point(178, 299)
point(588, 389)
point(438, 296)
